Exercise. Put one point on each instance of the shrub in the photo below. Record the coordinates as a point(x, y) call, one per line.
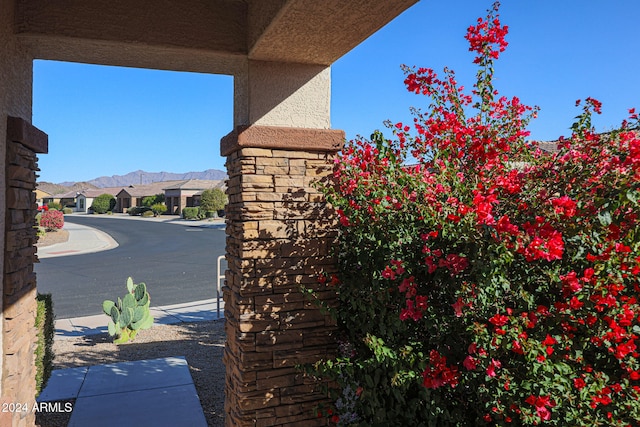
point(103, 203)
point(148, 214)
point(191, 213)
point(153, 200)
point(138, 210)
point(213, 200)
point(54, 206)
point(52, 220)
point(489, 283)
point(67, 211)
point(159, 209)
point(44, 346)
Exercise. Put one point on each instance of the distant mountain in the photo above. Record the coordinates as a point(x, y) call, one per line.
point(64, 187)
point(143, 177)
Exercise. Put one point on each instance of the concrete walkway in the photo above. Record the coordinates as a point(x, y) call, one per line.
point(158, 392)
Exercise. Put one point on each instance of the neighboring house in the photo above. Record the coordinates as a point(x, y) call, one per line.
point(187, 194)
point(67, 200)
point(132, 195)
point(84, 199)
point(43, 198)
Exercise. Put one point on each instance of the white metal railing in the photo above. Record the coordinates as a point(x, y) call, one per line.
point(219, 280)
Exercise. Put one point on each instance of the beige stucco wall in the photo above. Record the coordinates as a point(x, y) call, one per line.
point(283, 94)
point(15, 100)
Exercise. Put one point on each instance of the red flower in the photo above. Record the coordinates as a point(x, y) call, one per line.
point(499, 320)
point(541, 404)
point(470, 363)
point(493, 365)
point(579, 383)
point(457, 307)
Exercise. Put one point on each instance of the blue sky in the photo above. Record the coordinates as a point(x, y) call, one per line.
point(109, 120)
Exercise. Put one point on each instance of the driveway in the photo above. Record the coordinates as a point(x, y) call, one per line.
point(176, 261)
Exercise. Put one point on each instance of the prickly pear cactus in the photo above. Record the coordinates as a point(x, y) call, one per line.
point(129, 314)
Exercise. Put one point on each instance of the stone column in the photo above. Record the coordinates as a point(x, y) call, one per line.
point(16, 358)
point(280, 232)
point(279, 237)
point(19, 283)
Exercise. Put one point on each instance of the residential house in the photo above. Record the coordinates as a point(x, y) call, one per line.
point(84, 198)
point(187, 194)
point(132, 195)
point(43, 197)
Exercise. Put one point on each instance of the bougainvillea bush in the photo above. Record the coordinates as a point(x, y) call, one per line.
point(52, 220)
point(482, 280)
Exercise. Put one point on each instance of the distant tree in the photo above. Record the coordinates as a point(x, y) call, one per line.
point(103, 203)
point(153, 200)
point(213, 200)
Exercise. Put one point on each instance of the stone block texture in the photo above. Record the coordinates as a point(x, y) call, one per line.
point(280, 234)
point(19, 282)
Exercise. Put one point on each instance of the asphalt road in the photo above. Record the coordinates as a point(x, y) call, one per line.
point(177, 262)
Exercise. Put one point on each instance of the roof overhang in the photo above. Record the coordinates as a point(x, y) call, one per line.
point(212, 36)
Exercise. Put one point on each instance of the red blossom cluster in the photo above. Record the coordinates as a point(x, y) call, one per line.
point(487, 38)
point(438, 374)
point(52, 220)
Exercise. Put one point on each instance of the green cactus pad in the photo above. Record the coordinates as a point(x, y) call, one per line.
point(140, 291)
point(126, 316)
point(138, 314)
point(129, 301)
point(111, 327)
point(115, 314)
point(130, 284)
point(145, 323)
point(144, 301)
point(107, 305)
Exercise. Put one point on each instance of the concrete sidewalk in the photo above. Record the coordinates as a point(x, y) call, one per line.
point(157, 392)
point(82, 240)
point(161, 390)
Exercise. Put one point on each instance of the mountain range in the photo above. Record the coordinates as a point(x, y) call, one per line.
point(133, 178)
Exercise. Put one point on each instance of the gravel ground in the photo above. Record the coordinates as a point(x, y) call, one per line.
point(53, 237)
point(201, 343)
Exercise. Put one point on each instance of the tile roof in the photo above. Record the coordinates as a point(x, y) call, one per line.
point(195, 184)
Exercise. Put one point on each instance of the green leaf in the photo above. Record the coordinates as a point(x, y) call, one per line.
point(604, 218)
point(632, 195)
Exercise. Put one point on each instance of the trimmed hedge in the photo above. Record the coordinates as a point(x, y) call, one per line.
point(191, 213)
point(44, 345)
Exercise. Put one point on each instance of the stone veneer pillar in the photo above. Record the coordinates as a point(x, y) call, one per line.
point(19, 290)
point(279, 237)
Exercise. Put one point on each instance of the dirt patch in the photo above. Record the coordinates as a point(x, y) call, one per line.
point(201, 344)
point(53, 237)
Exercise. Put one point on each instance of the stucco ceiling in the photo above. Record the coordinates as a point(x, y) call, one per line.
point(199, 35)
